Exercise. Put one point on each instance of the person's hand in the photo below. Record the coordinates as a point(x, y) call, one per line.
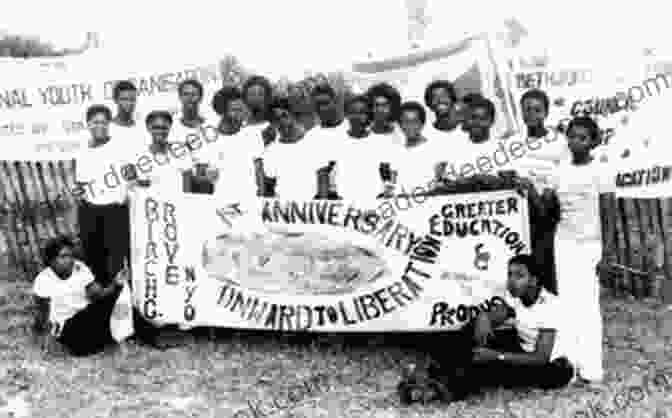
point(523, 186)
point(268, 135)
point(482, 330)
point(143, 182)
point(122, 276)
point(484, 355)
point(212, 174)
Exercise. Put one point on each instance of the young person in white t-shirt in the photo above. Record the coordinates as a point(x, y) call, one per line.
point(475, 155)
point(162, 163)
point(330, 134)
point(385, 102)
point(258, 94)
point(422, 160)
point(577, 184)
point(289, 161)
point(191, 129)
point(440, 98)
point(71, 305)
point(102, 173)
point(238, 149)
point(520, 343)
point(359, 179)
point(124, 126)
point(545, 148)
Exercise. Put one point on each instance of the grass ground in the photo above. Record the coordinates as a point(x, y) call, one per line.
point(240, 375)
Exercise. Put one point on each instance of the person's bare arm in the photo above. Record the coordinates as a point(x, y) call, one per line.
point(540, 355)
point(487, 321)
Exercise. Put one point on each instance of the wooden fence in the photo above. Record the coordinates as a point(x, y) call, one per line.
point(37, 205)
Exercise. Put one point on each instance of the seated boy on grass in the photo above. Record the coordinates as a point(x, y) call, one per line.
point(532, 353)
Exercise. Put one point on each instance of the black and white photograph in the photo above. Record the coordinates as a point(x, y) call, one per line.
point(335, 209)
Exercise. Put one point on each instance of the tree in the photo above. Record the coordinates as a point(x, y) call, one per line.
point(22, 46)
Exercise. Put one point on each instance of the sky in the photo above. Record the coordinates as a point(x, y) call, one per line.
point(270, 34)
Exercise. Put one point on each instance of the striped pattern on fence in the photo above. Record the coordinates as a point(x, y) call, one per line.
point(37, 205)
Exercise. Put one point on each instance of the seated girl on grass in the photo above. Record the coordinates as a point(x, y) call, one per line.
point(71, 306)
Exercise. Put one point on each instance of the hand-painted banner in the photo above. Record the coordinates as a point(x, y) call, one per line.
point(644, 178)
point(323, 266)
point(43, 112)
point(582, 92)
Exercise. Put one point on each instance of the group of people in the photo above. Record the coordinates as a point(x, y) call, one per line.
point(368, 147)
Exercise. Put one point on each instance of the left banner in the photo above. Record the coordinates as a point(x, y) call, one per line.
point(411, 264)
point(42, 112)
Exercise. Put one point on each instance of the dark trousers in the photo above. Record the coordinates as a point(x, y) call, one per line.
point(106, 238)
point(452, 366)
point(542, 238)
point(88, 331)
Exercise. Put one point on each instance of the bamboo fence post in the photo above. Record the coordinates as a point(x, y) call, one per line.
point(639, 287)
point(24, 232)
point(50, 197)
point(28, 193)
point(665, 279)
point(607, 223)
point(625, 281)
point(8, 224)
point(67, 168)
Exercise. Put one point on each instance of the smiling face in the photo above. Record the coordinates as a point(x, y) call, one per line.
point(255, 97)
point(441, 101)
point(325, 106)
point(411, 124)
point(534, 112)
point(190, 96)
point(579, 141)
point(63, 263)
point(519, 280)
point(358, 114)
point(236, 111)
point(159, 128)
point(99, 126)
point(479, 121)
point(126, 101)
point(382, 109)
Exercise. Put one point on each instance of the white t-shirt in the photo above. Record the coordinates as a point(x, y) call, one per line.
point(100, 167)
point(295, 167)
point(468, 158)
point(165, 172)
point(135, 137)
point(358, 177)
point(205, 139)
point(235, 155)
point(578, 189)
point(545, 313)
point(66, 297)
point(541, 157)
point(417, 164)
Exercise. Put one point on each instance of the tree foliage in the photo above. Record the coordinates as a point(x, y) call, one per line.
point(19, 46)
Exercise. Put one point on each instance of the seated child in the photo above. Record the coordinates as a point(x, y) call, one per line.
point(531, 354)
point(71, 306)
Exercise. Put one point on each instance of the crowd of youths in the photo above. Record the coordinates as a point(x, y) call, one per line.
point(367, 147)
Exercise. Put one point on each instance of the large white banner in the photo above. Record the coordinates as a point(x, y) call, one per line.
point(573, 91)
point(417, 264)
point(42, 111)
point(469, 64)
